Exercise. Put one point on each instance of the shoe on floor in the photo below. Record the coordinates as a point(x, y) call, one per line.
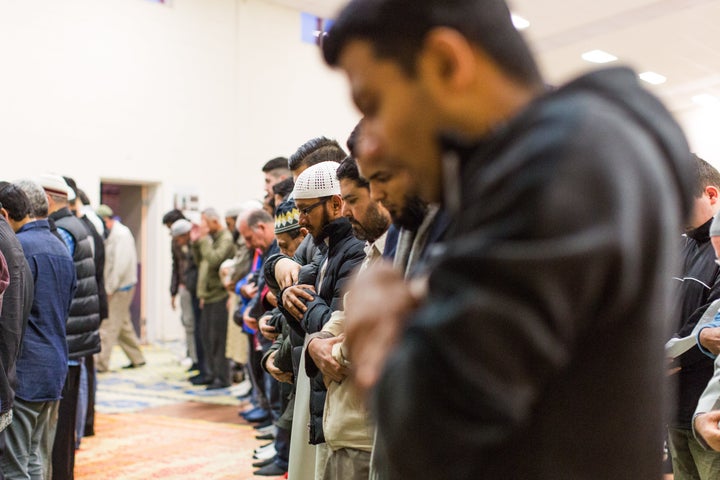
point(262, 448)
point(200, 380)
point(266, 429)
point(250, 411)
point(134, 365)
point(193, 367)
point(265, 436)
point(258, 416)
point(217, 385)
point(272, 470)
point(265, 454)
point(262, 463)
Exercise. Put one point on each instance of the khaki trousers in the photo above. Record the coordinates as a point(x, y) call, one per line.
point(118, 329)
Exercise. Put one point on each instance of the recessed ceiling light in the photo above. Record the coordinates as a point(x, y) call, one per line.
point(705, 99)
point(598, 56)
point(519, 22)
point(653, 78)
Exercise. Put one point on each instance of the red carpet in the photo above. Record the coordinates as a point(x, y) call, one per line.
point(136, 446)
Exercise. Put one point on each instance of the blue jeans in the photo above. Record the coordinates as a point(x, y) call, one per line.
point(82, 407)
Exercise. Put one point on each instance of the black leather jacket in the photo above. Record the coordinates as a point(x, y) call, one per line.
point(539, 351)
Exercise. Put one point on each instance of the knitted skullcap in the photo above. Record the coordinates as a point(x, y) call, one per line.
point(318, 181)
point(180, 227)
point(287, 217)
point(715, 226)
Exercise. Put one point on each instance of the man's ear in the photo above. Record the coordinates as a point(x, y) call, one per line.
point(4, 213)
point(447, 60)
point(337, 203)
point(712, 192)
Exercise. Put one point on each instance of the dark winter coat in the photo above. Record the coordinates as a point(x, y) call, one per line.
point(82, 327)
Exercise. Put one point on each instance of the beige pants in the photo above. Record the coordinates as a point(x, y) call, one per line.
point(302, 454)
point(187, 317)
point(236, 346)
point(118, 329)
point(347, 464)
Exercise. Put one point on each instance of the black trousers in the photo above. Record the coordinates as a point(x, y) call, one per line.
point(63, 455)
point(92, 387)
point(2, 450)
point(214, 326)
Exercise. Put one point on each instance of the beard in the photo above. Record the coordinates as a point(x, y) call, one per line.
point(412, 214)
point(324, 230)
point(374, 226)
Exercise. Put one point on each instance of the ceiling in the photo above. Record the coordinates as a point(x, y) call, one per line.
point(679, 39)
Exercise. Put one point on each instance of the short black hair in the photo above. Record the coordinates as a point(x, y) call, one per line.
point(353, 139)
point(284, 187)
point(172, 216)
point(275, 163)
point(396, 29)
point(348, 169)
point(14, 200)
point(706, 175)
point(316, 150)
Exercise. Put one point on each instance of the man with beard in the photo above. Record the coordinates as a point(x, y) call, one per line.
point(318, 198)
point(545, 307)
point(346, 423)
point(421, 225)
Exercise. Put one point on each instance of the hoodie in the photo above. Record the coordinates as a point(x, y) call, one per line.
point(538, 352)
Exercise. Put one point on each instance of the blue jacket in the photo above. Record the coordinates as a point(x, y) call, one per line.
point(43, 361)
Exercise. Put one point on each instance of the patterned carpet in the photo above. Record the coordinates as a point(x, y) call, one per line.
point(133, 441)
point(162, 381)
point(132, 446)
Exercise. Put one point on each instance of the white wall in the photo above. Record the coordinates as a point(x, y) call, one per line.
point(701, 126)
point(196, 95)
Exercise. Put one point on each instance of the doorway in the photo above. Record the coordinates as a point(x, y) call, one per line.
point(129, 204)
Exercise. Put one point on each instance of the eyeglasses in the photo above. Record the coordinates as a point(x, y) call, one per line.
point(306, 211)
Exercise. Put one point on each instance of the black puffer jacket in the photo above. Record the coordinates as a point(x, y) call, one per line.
point(310, 257)
point(344, 255)
point(82, 327)
point(99, 256)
